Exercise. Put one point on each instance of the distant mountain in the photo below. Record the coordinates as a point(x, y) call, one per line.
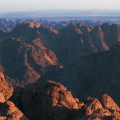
point(8, 25)
point(30, 50)
point(63, 13)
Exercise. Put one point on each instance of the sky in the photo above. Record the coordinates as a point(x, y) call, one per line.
point(35, 5)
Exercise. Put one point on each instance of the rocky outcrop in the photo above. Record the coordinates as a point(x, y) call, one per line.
point(51, 101)
point(5, 88)
point(99, 109)
point(48, 100)
point(8, 111)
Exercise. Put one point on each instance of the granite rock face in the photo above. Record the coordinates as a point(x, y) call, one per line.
point(47, 100)
point(99, 109)
point(5, 88)
point(8, 110)
point(51, 101)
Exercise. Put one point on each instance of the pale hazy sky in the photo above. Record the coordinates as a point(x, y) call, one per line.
point(32, 5)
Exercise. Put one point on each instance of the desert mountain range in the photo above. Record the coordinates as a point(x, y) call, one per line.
point(83, 58)
point(30, 50)
point(8, 25)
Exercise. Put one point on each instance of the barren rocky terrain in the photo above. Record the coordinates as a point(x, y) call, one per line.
point(51, 101)
point(50, 74)
point(31, 49)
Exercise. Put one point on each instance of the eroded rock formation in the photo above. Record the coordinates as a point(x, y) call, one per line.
point(8, 110)
point(51, 100)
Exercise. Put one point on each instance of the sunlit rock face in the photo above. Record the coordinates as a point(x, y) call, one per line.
point(8, 110)
point(51, 100)
point(47, 100)
point(5, 88)
point(99, 109)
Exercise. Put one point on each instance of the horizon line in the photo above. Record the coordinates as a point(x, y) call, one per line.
point(57, 9)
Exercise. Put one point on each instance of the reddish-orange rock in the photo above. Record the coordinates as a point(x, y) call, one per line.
point(2, 99)
point(5, 88)
point(109, 104)
point(47, 100)
point(51, 100)
point(103, 109)
point(8, 111)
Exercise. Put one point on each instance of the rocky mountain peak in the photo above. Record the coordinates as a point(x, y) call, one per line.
point(28, 24)
point(81, 24)
point(6, 20)
point(33, 25)
point(72, 25)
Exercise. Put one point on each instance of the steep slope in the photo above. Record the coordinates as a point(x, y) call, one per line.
point(23, 63)
point(92, 75)
point(6, 90)
point(71, 42)
point(51, 101)
point(79, 40)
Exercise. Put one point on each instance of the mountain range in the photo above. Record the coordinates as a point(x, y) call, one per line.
point(8, 25)
point(50, 73)
point(30, 49)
